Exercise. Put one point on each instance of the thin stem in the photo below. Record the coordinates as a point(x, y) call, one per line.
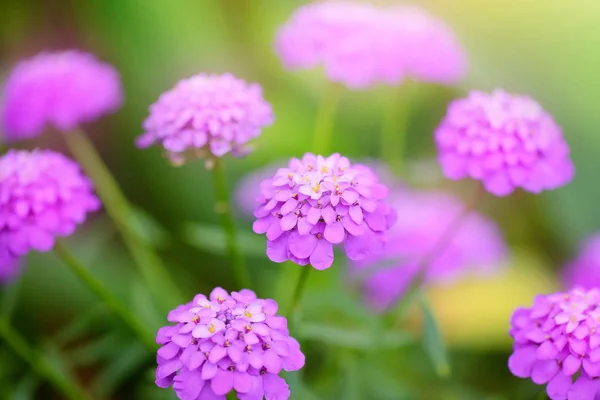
point(223, 208)
point(118, 208)
point(111, 302)
point(40, 363)
point(325, 118)
point(10, 298)
point(297, 296)
point(393, 128)
point(414, 284)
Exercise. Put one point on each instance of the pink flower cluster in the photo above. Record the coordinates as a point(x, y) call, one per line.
point(43, 194)
point(318, 202)
point(423, 219)
point(227, 342)
point(361, 45)
point(557, 342)
point(506, 141)
point(206, 116)
point(62, 89)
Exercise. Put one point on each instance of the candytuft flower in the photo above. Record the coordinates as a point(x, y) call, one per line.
point(227, 342)
point(43, 195)
point(423, 218)
point(62, 89)
point(585, 270)
point(506, 141)
point(206, 116)
point(318, 202)
point(360, 45)
point(557, 342)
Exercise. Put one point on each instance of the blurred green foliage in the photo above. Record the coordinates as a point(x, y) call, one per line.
point(546, 49)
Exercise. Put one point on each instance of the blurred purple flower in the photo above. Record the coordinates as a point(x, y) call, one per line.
point(585, 270)
point(43, 194)
point(504, 140)
point(318, 202)
point(10, 267)
point(361, 45)
point(556, 342)
point(227, 342)
point(423, 218)
point(206, 116)
point(62, 89)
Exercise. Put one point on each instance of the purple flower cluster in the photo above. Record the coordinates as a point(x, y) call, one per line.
point(557, 342)
point(206, 116)
point(423, 219)
point(227, 342)
point(43, 194)
point(318, 202)
point(360, 45)
point(62, 89)
point(585, 270)
point(504, 140)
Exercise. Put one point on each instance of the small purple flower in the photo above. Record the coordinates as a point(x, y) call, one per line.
point(63, 89)
point(585, 270)
point(557, 343)
point(423, 218)
point(206, 116)
point(361, 45)
point(504, 140)
point(43, 194)
point(316, 203)
point(227, 342)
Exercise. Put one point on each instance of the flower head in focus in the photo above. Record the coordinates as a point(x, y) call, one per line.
point(360, 45)
point(585, 270)
point(43, 194)
point(316, 203)
point(423, 219)
point(506, 141)
point(62, 89)
point(206, 116)
point(227, 342)
point(557, 343)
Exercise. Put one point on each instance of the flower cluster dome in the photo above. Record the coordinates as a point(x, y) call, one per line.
point(584, 271)
point(43, 194)
point(227, 342)
point(207, 116)
point(318, 202)
point(557, 343)
point(506, 141)
point(62, 89)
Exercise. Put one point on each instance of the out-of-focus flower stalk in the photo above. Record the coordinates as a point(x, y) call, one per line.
point(223, 208)
point(155, 274)
point(105, 295)
point(325, 118)
point(294, 305)
point(394, 125)
point(40, 363)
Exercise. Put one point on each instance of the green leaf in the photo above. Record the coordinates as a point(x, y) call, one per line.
point(146, 228)
point(211, 238)
point(352, 337)
point(26, 388)
point(80, 326)
point(144, 305)
point(119, 369)
point(432, 340)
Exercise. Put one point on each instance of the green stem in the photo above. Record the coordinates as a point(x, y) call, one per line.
point(223, 208)
point(118, 208)
point(111, 302)
point(324, 120)
point(10, 298)
point(414, 284)
point(393, 128)
point(297, 296)
point(40, 363)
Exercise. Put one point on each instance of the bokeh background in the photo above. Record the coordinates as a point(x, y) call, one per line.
point(548, 49)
